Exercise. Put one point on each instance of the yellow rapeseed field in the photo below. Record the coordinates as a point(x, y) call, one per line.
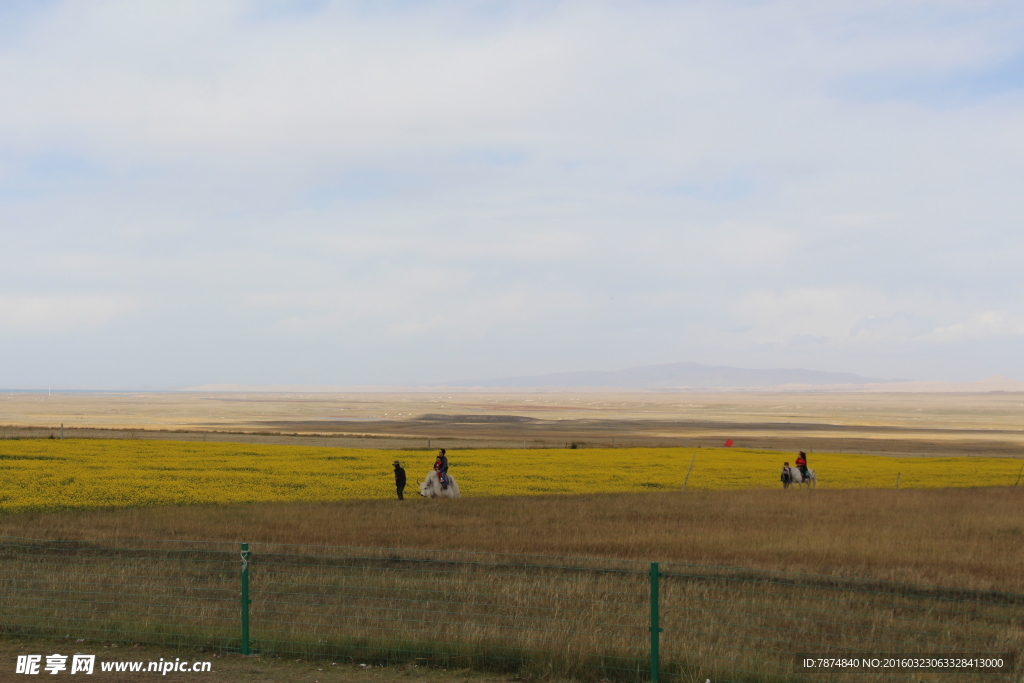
point(54, 474)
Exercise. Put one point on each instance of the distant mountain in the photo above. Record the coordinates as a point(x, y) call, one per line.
point(678, 375)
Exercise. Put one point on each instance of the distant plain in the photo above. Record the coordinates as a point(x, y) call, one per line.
point(989, 424)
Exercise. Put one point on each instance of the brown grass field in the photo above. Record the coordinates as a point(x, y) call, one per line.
point(966, 538)
point(508, 613)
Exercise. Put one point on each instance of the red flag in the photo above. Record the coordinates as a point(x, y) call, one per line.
point(729, 442)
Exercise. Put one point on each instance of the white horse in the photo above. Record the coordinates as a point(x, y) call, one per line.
point(431, 487)
point(793, 475)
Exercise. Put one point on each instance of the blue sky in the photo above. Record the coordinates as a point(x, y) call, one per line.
point(351, 193)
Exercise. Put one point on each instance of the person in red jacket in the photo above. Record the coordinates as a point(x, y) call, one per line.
point(801, 462)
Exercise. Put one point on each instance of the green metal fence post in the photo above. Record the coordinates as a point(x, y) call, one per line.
point(655, 627)
point(245, 599)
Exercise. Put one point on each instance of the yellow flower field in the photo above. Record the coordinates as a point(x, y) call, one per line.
point(53, 474)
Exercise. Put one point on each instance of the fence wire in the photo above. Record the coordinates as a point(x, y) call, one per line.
point(588, 619)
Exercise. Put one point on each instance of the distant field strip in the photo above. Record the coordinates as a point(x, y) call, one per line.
point(49, 474)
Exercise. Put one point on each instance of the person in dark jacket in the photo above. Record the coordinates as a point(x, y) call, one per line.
point(441, 465)
point(399, 479)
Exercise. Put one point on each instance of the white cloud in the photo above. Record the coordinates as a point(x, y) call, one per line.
point(845, 318)
point(981, 326)
point(553, 183)
point(779, 317)
point(42, 315)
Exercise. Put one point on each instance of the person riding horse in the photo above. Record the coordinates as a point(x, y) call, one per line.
point(441, 465)
point(801, 462)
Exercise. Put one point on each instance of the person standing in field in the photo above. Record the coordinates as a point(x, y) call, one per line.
point(441, 465)
point(399, 479)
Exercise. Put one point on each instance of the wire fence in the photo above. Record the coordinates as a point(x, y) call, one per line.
point(588, 619)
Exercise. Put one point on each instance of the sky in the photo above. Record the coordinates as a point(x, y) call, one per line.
point(403, 192)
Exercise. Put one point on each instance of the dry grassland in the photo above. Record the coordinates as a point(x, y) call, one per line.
point(966, 538)
point(539, 617)
point(883, 423)
point(544, 616)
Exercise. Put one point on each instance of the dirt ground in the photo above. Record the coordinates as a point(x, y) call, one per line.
point(226, 668)
point(884, 423)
